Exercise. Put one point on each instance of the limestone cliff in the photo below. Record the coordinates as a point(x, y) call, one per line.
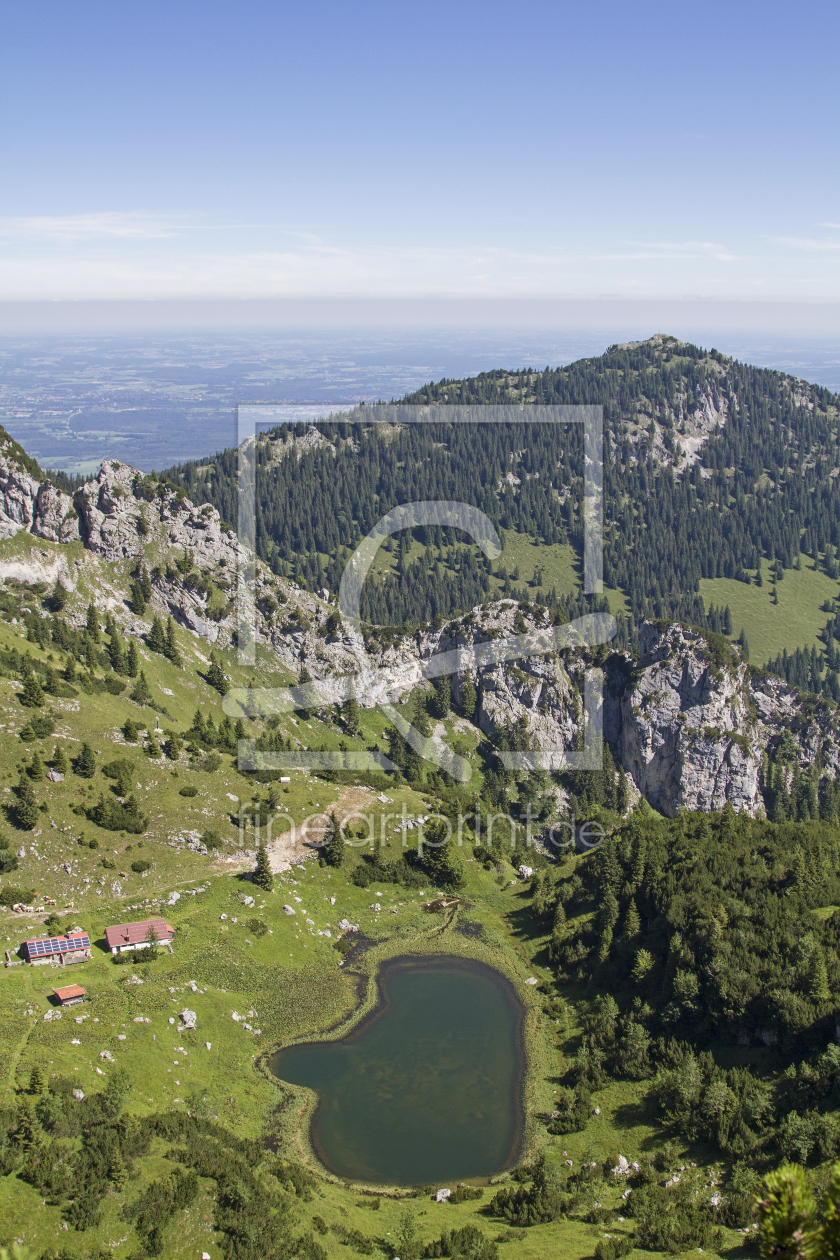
point(689, 721)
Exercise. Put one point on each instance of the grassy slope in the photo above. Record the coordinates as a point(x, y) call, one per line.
point(794, 622)
point(231, 975)
point(560, 564)
point(289, 976)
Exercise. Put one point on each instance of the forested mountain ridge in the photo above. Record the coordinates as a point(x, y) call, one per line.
point(685, 718)
point(711, 467)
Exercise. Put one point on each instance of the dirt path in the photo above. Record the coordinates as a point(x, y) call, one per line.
point(292, 845)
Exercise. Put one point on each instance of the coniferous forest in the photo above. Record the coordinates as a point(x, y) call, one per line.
point(762, 487)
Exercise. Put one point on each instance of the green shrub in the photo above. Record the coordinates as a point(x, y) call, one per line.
point(466, 1194)
point(42, 725)
point(574, 1107)
point(140, 866)
point(189, 790)
point(10, 896)
point(354, 1239)
point(613, 1248)
point(112, 816)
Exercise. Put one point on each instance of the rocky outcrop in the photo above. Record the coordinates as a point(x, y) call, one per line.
point(689, 722)
point(55, 516)
point(30, 504)
point(688, 733)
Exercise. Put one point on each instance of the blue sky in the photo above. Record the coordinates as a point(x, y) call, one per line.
point(540, 149)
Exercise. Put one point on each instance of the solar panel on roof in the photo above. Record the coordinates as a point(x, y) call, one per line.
point(45, 946)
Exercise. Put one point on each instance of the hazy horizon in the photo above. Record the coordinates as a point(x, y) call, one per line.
point(152, 399)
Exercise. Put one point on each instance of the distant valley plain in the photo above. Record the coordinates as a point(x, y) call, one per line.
point(155, 400)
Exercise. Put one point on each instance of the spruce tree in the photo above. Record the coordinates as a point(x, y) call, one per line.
point(438, 857)
point(622, 792)
point(51, 682)
point(132, 659)
point(350, 713)
point(333, 851)
point(117, 1171)
point(215, 675)
point(156, 638)
point(59, 760)
point(36, 1083)
point(129, 731)
point(642, 965)
point(818, 989)
point(116, 655)
point(262, 876)
point(605, 943)
point(632, 922)
point(468, 697)
point(32, 696)
point(136, 600)
point(86, 763)
point(440, 700)
point(92, 624)
point(58, 599)
point(124, 778)
point(36, 768)
point(26, 807)
point(145, 583)
point(140, 692)
point(171, 650)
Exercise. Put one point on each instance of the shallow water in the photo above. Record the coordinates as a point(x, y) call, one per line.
point(428, 1088)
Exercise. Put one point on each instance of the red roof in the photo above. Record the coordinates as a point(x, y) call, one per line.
point(45, 946)
point(137, 933)
point(70, 991)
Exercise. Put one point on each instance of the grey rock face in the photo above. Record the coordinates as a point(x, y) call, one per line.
point(55, 516)
point(26, 503)
point(688, 721)
point(688, 734)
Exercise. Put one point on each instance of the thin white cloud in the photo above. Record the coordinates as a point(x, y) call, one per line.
point(111, 225)
point(137, 256)
point(808, 244)
point(682, 249)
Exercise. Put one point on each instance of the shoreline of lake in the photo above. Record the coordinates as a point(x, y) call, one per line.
point(298, 1104)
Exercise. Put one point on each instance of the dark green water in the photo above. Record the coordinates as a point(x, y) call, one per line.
point(428, 1088)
